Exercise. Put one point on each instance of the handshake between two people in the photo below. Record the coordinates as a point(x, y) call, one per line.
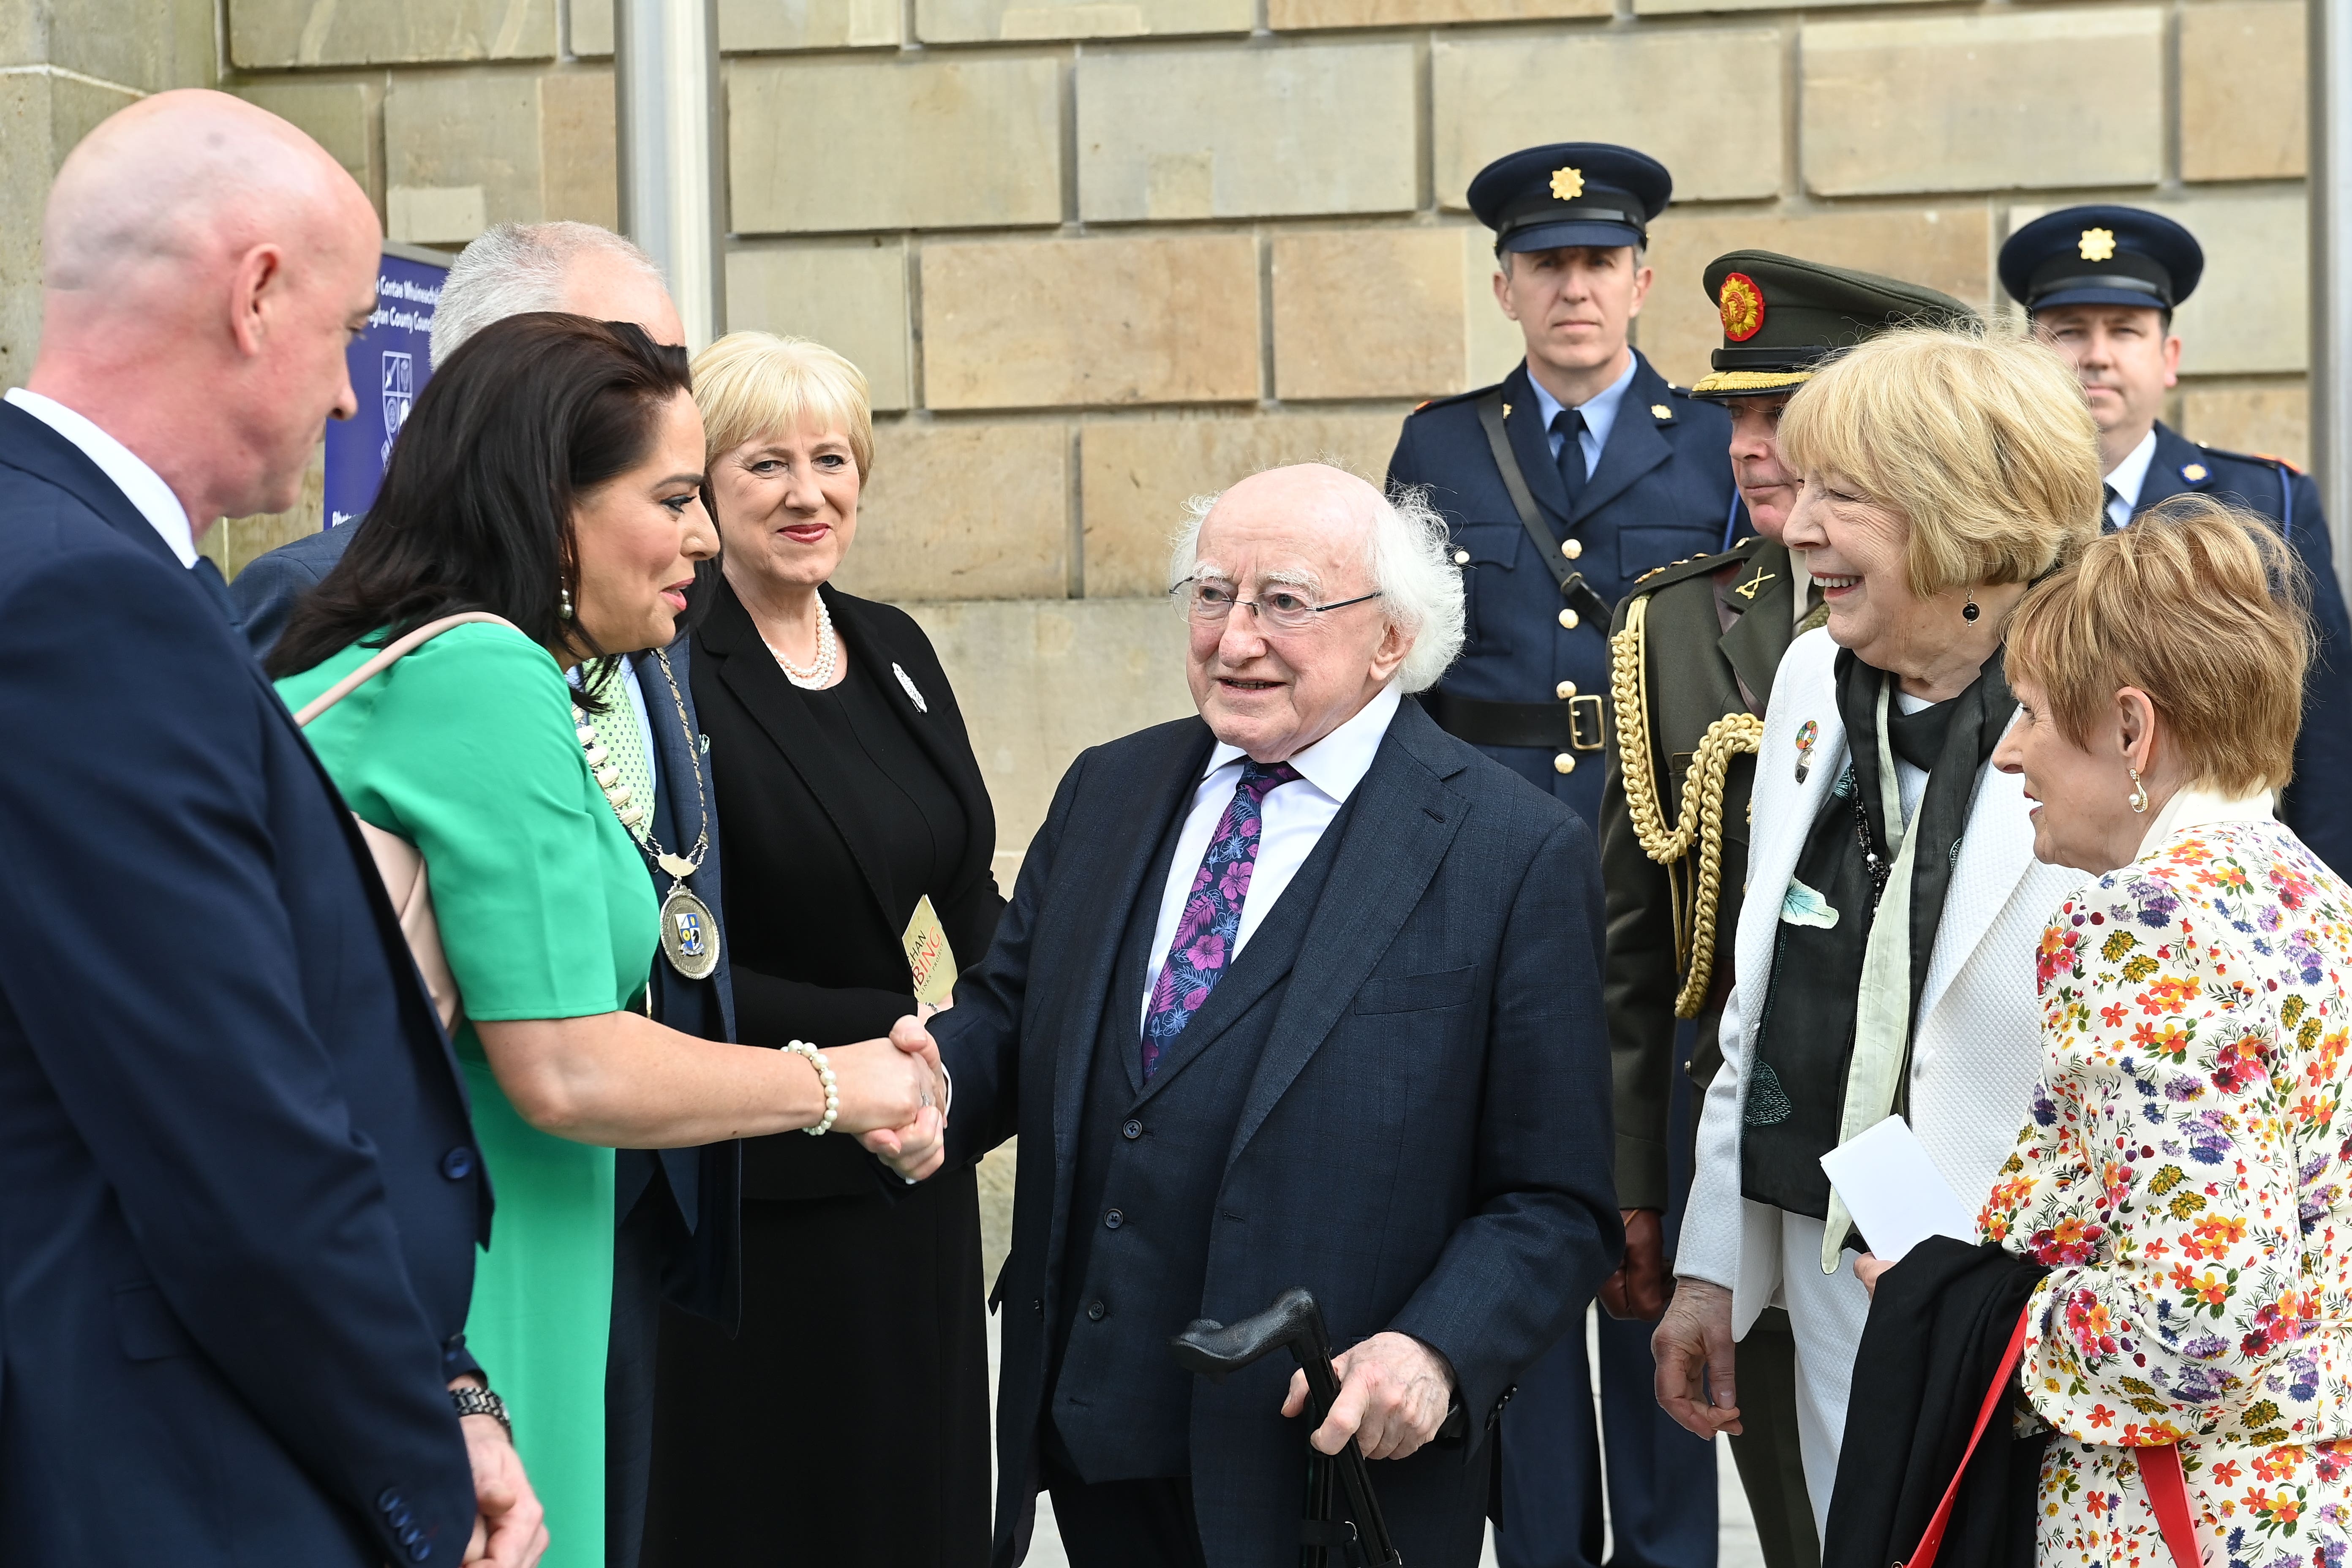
point(893, 1097)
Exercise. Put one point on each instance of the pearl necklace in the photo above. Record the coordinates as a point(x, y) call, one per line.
point(817, 675)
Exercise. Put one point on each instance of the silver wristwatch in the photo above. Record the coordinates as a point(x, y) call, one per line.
point(471, 1401)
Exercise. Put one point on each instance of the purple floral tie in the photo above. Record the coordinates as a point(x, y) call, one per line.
point(1203, 945)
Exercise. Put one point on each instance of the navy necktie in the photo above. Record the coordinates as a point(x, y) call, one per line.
point(204, 571)
point(1569, 426)
point(2108, 496)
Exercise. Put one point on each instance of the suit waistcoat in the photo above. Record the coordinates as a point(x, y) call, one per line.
point(1150, 1160)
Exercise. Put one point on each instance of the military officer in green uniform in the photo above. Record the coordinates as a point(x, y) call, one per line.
point(1692, 650)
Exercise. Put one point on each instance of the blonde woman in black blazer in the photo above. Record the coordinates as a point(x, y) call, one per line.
point(848, 1420)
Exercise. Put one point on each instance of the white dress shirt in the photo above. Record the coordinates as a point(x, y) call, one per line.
point(1291, 820)
point(139, 484)
point(2129, 478)
point(1600, 414)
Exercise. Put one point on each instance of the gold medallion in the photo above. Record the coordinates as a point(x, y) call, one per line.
point(690, 934)
point(1567, 185)
point(2098, 245)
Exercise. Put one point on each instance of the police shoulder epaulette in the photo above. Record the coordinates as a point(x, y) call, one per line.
point(1447, 402)
point(2266, 459)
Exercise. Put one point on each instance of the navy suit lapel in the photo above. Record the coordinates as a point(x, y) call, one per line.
point(1404, 820)
point(1272, 951)
point(30, 445)
point(2174, 452)
point(1124, 852)
point(686, 807)
point(1634, 446)
point(1531, 444)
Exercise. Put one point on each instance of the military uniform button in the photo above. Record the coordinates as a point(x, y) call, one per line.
point(1567, 619)
point(1572, 548)
point(1565, 690)
point(1563, 763)
point(1462, 558)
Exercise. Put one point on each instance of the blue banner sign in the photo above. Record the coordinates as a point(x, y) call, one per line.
point(390, 362)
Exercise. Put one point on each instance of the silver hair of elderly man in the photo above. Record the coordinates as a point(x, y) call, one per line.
point(511, 267)
point(1410, 555)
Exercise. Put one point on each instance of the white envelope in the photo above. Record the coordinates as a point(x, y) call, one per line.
point(1893, 1192)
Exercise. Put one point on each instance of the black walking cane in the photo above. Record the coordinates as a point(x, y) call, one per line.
point(1296, 1320)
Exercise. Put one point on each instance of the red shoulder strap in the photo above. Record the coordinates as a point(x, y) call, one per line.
point(1930, 1542)
point(2167, 1493)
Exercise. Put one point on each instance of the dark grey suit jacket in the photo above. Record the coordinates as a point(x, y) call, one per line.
point(265, 592)
point(1424, 1141)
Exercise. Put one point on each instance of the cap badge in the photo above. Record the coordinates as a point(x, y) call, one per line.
point(2098, 245)
point(1742, 306)
point(1567, 185)
point(2193, 472)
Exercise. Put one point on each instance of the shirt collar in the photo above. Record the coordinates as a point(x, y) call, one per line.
point(1337, 763)
point(2130, 476)
point(141, 486)
point(1599, 411)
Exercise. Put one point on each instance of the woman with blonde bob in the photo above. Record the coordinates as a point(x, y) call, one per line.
point(2194, 1014)
point(847, 1421)
point(1893, 898)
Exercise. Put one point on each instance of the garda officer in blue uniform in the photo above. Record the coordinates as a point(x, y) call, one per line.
point(1562, 484)
point(2100, 284)
point(1583, 469)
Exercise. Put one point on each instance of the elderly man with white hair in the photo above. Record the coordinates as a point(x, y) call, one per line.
point(1299, 992)
point(239, 1191)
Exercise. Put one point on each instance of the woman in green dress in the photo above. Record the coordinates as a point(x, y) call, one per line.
point(551, 475)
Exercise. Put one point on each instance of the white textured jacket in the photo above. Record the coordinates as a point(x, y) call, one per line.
point(1977, 1041)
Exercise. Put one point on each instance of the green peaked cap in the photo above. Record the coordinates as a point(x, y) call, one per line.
point(1782, 316)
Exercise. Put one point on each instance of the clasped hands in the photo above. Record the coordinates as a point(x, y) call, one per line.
point(894, 1097)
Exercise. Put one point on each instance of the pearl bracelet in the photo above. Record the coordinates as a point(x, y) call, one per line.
point(824, 1080)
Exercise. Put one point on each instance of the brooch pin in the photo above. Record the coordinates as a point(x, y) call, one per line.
point(908, 687)
point(1806, 735)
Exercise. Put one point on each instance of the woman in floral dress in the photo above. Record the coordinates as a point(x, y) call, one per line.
point(2186, 1170)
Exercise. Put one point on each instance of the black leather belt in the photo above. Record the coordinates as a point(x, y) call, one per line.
point(1574, 725)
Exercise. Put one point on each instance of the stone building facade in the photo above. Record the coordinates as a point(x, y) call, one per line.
point(1098, 255)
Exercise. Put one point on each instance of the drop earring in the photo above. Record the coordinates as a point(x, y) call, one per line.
point(1969, 612)
point(563, 605)
point(2139, 792)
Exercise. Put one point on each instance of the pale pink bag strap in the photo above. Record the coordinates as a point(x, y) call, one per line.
point(390, 654)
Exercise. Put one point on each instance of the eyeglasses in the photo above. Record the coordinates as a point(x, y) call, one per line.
point(1211, 602)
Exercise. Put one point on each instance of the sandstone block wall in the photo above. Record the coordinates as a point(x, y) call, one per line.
point(1097, 256)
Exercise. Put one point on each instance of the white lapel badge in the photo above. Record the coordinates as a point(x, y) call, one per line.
point(917, 697)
